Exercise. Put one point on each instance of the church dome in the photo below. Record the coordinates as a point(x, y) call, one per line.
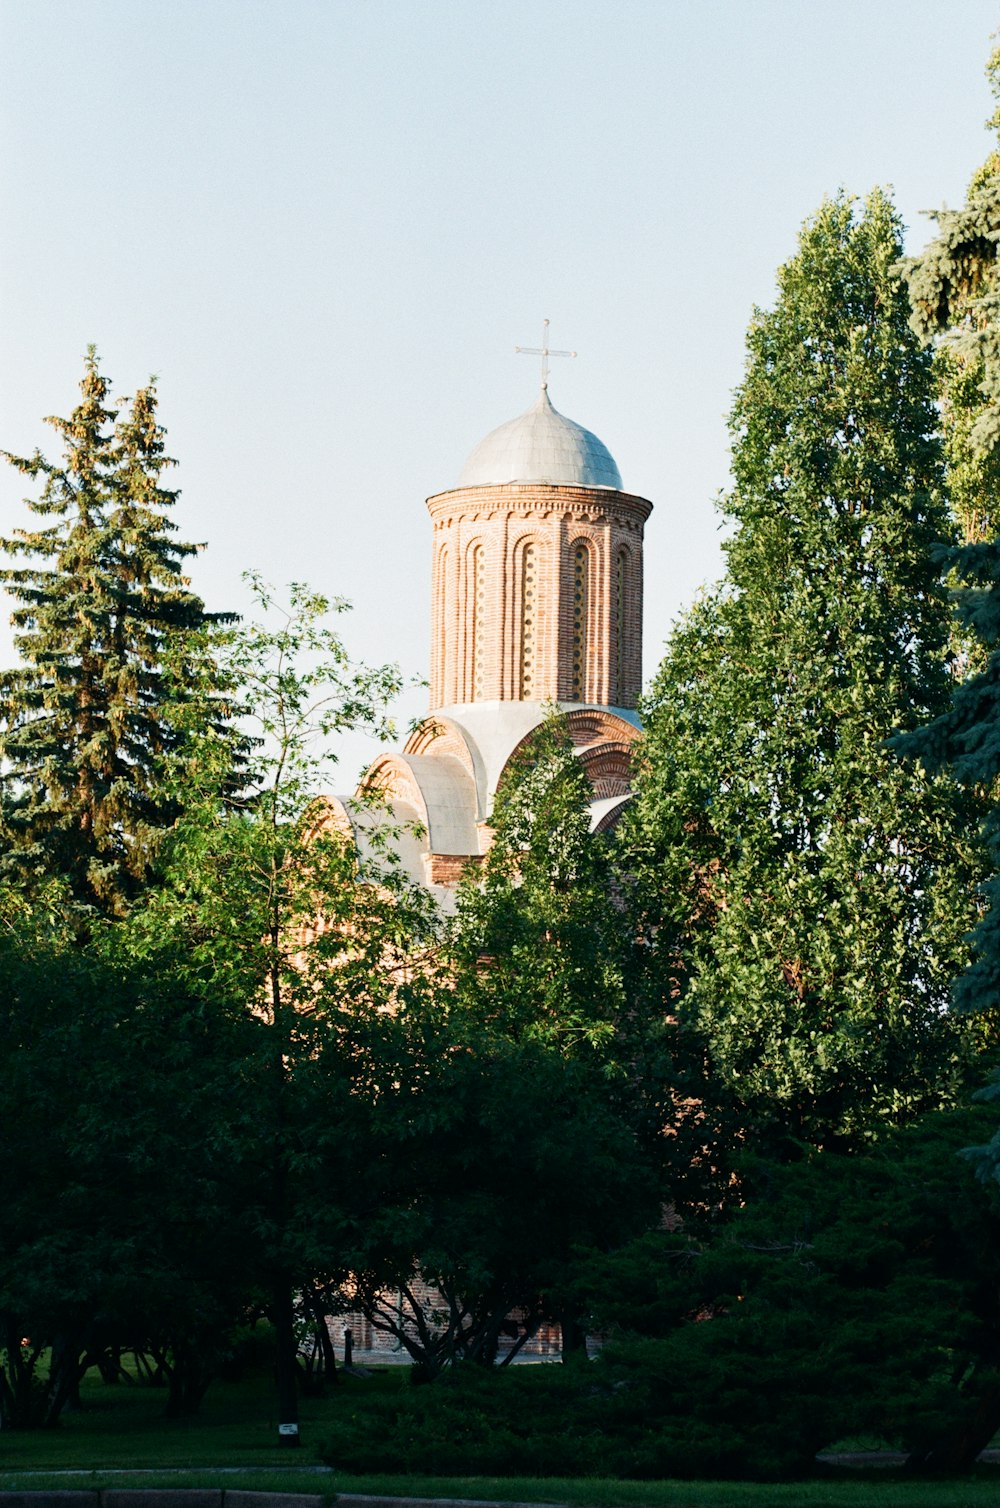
point(541, 446)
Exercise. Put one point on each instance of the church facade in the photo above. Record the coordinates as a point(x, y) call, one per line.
point(536, 601)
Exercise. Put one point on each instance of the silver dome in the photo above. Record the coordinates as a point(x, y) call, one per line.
point(541, 446)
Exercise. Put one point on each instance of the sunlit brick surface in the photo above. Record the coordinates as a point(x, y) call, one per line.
point(537, 594)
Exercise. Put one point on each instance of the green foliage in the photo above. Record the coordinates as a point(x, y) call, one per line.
point(963, 741)
point(954, 286)
point(115, 653)
point(263, 907)
point(120, 1439)
point(850, 1295)
point(535, 1132)
point(809, 894)
point(504, 1161)
point(721, 1401)
point(541, 944)
point(220, 1053)
point(128, 1117)
point(545, 1421)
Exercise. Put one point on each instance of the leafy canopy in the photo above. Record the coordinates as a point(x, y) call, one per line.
point(813, 891)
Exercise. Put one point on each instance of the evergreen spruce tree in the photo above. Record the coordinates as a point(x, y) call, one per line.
point(954, 287)
point(113, 643)
point(814, 891)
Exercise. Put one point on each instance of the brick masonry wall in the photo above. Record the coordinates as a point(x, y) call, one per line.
point(546, 1343)
point(478, 600)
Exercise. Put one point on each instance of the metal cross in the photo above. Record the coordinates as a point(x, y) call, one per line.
point(544, 352)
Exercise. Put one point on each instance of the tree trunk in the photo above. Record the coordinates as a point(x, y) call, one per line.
point(187, 1382)
point(316, 1309)
point(574, 1337)
point(70, 1360)
point(330, 1373)
point(283, 1299)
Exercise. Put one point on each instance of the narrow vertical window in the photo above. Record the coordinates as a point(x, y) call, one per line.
point(529, 621)
point(478, 621)
point(581, 585)
point(620, 627)
point(441, 635)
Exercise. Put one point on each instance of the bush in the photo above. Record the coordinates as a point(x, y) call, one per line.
point(624, 1415)
point(253, 1349)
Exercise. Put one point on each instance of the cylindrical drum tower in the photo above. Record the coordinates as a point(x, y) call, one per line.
point(537, 571)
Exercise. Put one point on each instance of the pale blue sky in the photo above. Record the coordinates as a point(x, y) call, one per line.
point(325, 224)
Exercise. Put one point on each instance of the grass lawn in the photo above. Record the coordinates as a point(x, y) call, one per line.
point(122, 1439)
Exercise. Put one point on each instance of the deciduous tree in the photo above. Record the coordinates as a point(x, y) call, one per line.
point(815, 891)
point(129, 1111)
point(267, 907)
point(556, 1073)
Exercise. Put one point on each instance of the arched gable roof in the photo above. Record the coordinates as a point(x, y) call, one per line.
point(606, 813)
point(441, 791)
point(603, 743)
point(361, 823)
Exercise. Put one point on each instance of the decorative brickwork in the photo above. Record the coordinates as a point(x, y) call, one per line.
point(436, 735)
point(537, 597)
point(529, 619)
point(537, 594)
point(590, 725)
point(447, 868)
point(580, 644)
point(602, 740)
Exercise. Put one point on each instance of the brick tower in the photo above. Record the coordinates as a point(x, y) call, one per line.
point(536, 600)
point(537, 571)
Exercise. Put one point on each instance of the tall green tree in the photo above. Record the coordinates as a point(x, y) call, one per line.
point(129, 1106)
point(548, 979)
point(113, 644)
point(532, 1130)
point(267, 906)
point(955, 288)
point(196, 1090)
point(811, 893)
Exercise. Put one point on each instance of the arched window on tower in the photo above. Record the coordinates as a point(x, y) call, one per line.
point(621, 580)
point(439, 669)
point(581, 605)
point(477, 564)
point(529, 622)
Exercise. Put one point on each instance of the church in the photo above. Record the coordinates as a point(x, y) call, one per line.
point(536, 602)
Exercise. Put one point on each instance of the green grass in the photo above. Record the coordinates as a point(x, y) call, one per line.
point(121, 1438)
point(601, 1493)
point(124, 1426)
